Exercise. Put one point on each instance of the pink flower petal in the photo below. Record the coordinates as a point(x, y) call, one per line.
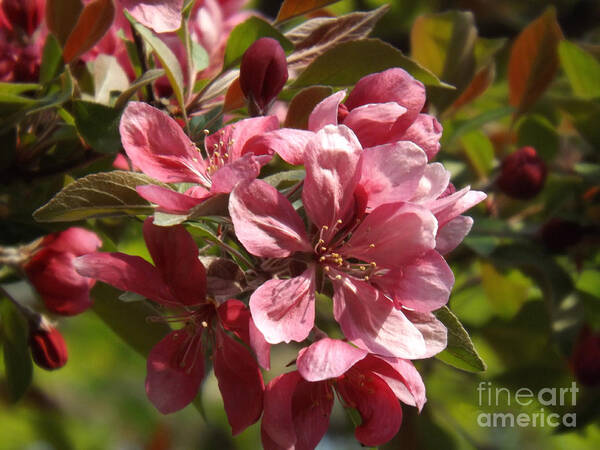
point(158, 146)
point(240, 382)
point(332, 161)
point(370, 321)
point(175, 370)
point(168, 199)
point(265, 221)
point(392, 235)
point(433, 331)
point(452, 234)
point(160, 15)
point(425, 131)
point(75, 240)
point(447, 208)
point(391, 172)
point(287, 143)
point(433, 183)
point(327, 358)
point(311, 408)
point(372, 122)
point(277, 422)
point(173, 248)
point(125, 272)
point(392, 85)
point(326, 112)
point(377, 405)
point(225, 179)
point(284, 310)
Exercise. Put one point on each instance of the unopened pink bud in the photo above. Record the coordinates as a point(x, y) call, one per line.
point(523, 174)
point(48, 348)
point(263, 73)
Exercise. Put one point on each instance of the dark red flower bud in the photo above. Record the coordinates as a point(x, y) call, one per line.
point(24, 14)
point(263, 73)
point(558, 234)
point(523, 174)
point(48, 348)
point(585, 360)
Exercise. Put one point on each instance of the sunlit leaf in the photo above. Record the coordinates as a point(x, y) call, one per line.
point(582, 69)
point(95, 19)
point(506, 292)
point(109, 77)
point(292, 8)
point(480, 151)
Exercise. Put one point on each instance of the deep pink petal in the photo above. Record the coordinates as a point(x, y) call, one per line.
point(433, 183)
point(311, 408)
point(168, 199)
point(373, 122)
point(392, 235)
point(392, 85)
point(174, 371)
point(326, 112)
point(125, 272)
point(327, 358)
point(452, 234)
point(284, 310)
point(425, 131)
point(238, 138)
point(242, 169)
point(158, 146)
point(423, 285)
point(265, 221)
point(370, 321)
point(240, 382)
point(173, 248)
point(391, 173)
point(75, 240)
point(434, 332)
point(332, 161)
point(377, 405)
point(277, 422)
point(160, 15)
point(287, 143)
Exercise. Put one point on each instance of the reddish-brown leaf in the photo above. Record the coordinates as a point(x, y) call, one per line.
point(293, 8)
point(234, 99)
point(480, 82)
point(302, 105)
point(95, 19)
point(534, 60)
point(61, 17)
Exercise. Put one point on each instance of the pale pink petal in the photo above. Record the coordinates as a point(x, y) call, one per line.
point(377, 405)
point(370, 321)
point(238, 138)
point(422, 285)
point(174, 371)
point(284, 310)
point(452, 234)
point(425, 131)
point(326, 112)
point(173, 248)
point(287, 143)
point(158, 146)
point(447, 208)
point(168, 199)
point(240, 382)
point(75, 240)
point(327, 358)
point(265, 221)
point(392, 235)
point(225, 179)
point(125, 272)
point(433, 183)
point(391, 172)
point(277, 422)
point(373, 122)
point(332, 161)
point(433, 331)
point(392, 85)
point(160, 15)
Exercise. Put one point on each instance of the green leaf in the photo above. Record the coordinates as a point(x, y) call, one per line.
point(18, 88)
point(214, 206)
point(537, 132)
point(199, 57)
point(98, 125)
point(480, 151)
point(98, 195)
point(52, 60)
point(289, 176)
point(360, 58)
point(582, 69)
point(245, 34)
point(506, 292)
point(460, 351)
point(129, 320)
point(17, 360)
point(165, 56)
point(146, 78)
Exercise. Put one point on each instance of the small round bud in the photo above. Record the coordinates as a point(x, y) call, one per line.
point(585, 359)
point(558, 234)
point(263, 73)
point(48, 348)
point(523, 174)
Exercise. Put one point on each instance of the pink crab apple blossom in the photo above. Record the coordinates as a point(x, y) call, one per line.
point(175, 366)
point(158, 146)
point(298, 404)
point(375, 218)
point(160, 15)
point(51, 270)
